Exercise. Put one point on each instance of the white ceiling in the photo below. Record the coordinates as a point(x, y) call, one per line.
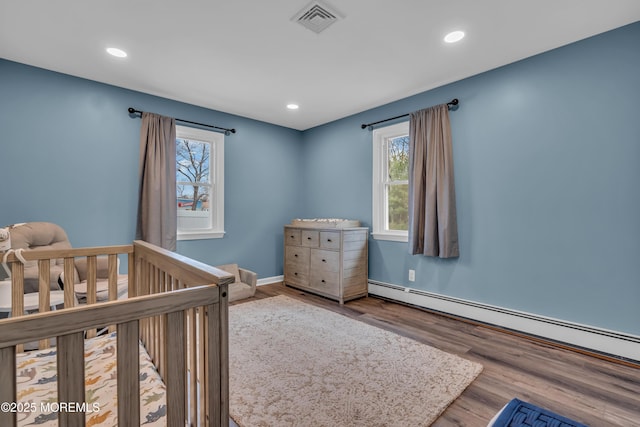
point(247, 57)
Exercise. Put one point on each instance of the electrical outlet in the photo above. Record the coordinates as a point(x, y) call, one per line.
point(412, 275)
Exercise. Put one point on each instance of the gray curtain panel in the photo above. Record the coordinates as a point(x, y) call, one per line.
point(433, 228)
point(157, 216)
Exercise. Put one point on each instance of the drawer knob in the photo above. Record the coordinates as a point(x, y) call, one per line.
point(295, 274)
point(293, 237)
point(308, 238)
point(328, 240)
point(296, 255)
point(324, 260)
point(323, 281)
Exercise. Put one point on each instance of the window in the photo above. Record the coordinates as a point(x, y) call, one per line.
point(199, 183)
point(391, 182)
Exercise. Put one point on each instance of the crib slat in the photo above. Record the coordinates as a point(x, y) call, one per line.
point(69, 274)
point(202, 357)
point(192, 359)
point(113, 276)
point(144, 290)
point(92, 279)
point(113, 281)
point(44, 268)
point(159, 352)
point(8, 381)
point(17, 289)
point(128, 374)
point(17, 293)
point(71, 377)
point(160, 338)
point(131, 273)
point(221, 323)
point(155, 330)
point(215, 376)
point(175, 369)
point(92, 285)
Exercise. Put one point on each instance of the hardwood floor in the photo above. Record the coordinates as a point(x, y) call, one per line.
point(595, 392)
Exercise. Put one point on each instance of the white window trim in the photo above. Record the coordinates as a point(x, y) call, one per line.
point(380, 206)
point(217, 180)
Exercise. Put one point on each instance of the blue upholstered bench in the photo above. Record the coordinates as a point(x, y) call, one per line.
point(523, 414)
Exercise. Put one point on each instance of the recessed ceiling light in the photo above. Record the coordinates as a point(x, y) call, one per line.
point(293, 106)
point(116, 52)
point(454, 36)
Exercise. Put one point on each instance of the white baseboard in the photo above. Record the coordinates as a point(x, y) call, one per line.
point(269, 280)
point(588, 337)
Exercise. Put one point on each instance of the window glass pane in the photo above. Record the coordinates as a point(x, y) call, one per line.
point(192, 197)
point(192, 161)
point(193, 207)
point(398, 155)
point(398, 199)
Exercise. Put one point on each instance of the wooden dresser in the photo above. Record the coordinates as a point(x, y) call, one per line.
point(332, 262)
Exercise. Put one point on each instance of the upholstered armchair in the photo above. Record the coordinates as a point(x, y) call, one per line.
point(36, 235)
point(245, 283)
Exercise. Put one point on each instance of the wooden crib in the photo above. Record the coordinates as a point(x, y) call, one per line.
point(176, 307)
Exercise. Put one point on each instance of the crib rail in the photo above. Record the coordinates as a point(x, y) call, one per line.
point(44, 257)
point(159, 270)
point(188, 344)
point(69, 326)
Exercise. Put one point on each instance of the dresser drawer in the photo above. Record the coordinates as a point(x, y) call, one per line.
point(297, 276)
point(330, 240)
point(310, 238)
point(322, 260)
point(326, 282)
point(291, 236)
point(296, 255)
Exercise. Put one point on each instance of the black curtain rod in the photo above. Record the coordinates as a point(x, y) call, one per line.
point(226, 131)
point(450, 104)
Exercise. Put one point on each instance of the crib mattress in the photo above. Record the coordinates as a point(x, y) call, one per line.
point(37, 386)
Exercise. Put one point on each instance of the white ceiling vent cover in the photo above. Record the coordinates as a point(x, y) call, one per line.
point(317, 16)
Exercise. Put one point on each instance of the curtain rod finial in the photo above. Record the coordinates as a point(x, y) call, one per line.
point(131, 110)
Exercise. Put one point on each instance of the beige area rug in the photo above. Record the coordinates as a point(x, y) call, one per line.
point(294, 364)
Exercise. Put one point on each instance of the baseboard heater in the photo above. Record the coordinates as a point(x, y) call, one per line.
point(613, 344)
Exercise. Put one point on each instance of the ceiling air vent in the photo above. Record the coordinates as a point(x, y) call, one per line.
point(316, 16)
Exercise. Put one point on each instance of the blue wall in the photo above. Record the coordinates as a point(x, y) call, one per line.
point(69, 155)
point(546, 165)
point(547, 169)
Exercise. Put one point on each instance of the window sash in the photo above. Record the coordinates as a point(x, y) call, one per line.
point(382, 182)
point(204, 223)
point(195, 184)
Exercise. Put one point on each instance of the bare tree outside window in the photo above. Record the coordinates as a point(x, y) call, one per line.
point(193, 174)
